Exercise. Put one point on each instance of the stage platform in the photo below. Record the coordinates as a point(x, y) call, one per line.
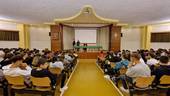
point(88, 55)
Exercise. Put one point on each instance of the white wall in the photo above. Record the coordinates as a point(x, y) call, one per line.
point(39, 37)
point(68, 36)
point(8, 26)
point(158, 29)
point(131, 39)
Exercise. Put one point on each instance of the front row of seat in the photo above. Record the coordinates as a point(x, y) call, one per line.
point(144, 84)
point(40, 85)
point(16, 84)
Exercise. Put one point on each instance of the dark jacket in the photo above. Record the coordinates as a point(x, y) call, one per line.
point(159, 72)
point(44, 73)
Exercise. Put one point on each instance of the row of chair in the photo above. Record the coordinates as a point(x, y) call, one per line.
point(16, 84)
point(40, 85)
point(144, 84)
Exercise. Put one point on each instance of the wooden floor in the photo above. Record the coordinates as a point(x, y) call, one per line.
point(88, 80)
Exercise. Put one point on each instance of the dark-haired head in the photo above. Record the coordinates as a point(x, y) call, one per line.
point(135, 57)
point(16, 58)
point(42, 63)
point(152, 55)
point(164, 59)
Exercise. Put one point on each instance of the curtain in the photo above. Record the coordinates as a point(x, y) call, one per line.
point(103, 37)
point(68, 37)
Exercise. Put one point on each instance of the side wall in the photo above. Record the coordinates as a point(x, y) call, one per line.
point(157, 29)
point(8, 26)
point(39, 37)
point(131, 39)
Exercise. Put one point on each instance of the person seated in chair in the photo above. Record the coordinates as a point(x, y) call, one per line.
point(101, 57)
point(118, 65)
point(135, 69)
point(42, 71)
point(162, 69)
point(57, 62)
point(17, 67)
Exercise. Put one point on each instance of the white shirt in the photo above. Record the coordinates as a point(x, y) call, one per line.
point(152, 61)
point(67, 57)
point(138, 70)
point(142, 61)
point(16, 71)
point(57, 64)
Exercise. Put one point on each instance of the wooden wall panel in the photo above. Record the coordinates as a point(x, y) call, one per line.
point(56, 37)
point(115, 38)
point(88, 55)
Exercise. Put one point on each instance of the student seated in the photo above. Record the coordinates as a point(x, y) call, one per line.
point(101, 57)
point(162, 69)
point(123, 63)
point(35, 60)
point(151, 59)
point(135, 69)
point(17, 67)
point(109, 56)
point(42, 71)
point(5, 58)
point(57, 62)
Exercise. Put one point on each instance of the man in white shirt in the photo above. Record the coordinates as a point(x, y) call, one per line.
point(57, 62)
point(135, 69)
point(17, 67)
point(151, 59)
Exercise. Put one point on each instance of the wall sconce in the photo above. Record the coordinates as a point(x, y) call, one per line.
point(115, 34)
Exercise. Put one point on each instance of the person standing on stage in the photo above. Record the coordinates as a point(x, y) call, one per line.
point(85, 49)
point(74, 43)
point(78, 44)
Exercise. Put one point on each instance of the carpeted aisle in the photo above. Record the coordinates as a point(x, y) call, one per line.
point(88, 80)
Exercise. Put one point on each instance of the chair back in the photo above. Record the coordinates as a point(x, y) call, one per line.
point(144, 82)
point(165, 80)
point(40, 81)
point(17, 82)
point(41, 84)
point(55, 70)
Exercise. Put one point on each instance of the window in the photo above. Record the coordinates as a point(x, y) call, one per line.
point(7, 35)
point(160, 37)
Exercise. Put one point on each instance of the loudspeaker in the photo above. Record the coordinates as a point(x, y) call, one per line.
point(49, 33)
point(121, 34)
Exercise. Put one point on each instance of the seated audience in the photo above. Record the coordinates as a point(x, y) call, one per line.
point(135, 69)
point(109, 56)
point(42, 71)
point(162, 69)
point(118, 65)
point(151, 59)
point(35, 60)
point(17, 67)
point(57, 62)
point(101, 57)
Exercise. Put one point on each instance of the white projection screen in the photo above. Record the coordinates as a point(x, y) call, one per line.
point(86, 35)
